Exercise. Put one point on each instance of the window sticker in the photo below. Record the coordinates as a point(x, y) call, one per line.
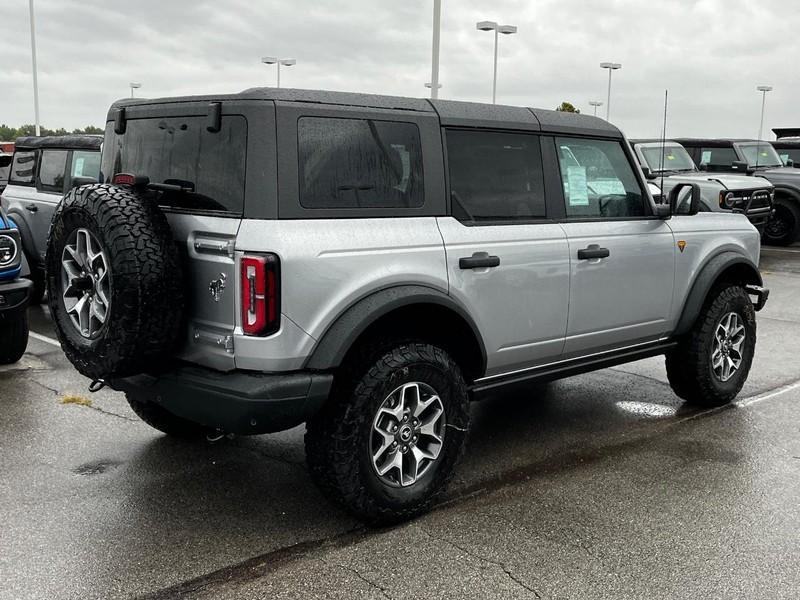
point(706, 157)
point(607, 187)
point(578, 191)
point(77, 170)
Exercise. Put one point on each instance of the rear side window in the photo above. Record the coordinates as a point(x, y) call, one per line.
point(598, 179)
point(85, 164)
point(23, 168)
point(495, 176)
point(52, 170)
point(180, 151)
point(359, 163)
point(723, 157)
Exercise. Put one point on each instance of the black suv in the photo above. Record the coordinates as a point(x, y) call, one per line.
point(752, 157)
point(788, 145)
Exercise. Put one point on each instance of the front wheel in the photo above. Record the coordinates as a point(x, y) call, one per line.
point(13, 339)
point(709, 366)
point(387, 442)
point(783, 227)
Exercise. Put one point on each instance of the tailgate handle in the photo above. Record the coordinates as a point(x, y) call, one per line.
point(215, 246)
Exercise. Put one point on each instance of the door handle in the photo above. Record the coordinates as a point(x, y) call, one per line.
point(593, 251)
point(478, 260)
point(32, 207)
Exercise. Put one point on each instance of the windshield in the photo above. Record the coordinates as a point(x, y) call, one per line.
point(759, 155)
point(675, 158)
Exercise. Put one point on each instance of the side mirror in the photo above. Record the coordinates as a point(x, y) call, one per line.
point(677, 204)
point(790, 162)
point(741, 166)
point(648, 174)
point(79, 181)
point(663, 211)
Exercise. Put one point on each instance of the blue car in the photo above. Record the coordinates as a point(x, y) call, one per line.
point(14, 293)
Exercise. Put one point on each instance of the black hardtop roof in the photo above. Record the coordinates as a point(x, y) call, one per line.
point(451, 112)
point(714, 142)
point(73, 141)
point(787, 142)
point(652, 141)
point(783, 132)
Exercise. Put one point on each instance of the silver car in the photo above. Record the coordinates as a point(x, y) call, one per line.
point(367, 265)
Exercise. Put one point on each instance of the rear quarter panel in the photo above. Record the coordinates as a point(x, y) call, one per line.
point(326, 266)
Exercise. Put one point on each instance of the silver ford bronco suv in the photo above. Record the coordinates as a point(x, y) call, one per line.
point(367, 265)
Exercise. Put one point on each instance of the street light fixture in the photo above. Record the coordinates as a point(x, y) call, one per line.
point(763, 89)
point(35, 77)
point(595, 104)
point(498, 29)
point(134, 86)
point(611, 66)
point(286, 62)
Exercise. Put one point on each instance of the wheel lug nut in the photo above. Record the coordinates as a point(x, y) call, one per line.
point(405, 418)
point(405, 449)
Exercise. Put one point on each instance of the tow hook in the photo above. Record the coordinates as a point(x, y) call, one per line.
point(760, 293)
point(97, 385)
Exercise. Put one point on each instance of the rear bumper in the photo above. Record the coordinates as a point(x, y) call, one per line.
point(240, 402)
point(14, 296)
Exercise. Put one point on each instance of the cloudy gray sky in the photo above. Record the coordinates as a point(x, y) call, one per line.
point(710, 54)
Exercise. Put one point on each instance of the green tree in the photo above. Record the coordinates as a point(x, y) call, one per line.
point(567, 107)
point(9, 134)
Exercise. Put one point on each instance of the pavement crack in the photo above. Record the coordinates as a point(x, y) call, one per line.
point(501, 565)
point(108, 412)
point(47, 387)
point(384, 591)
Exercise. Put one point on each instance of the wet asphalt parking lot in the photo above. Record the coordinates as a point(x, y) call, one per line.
point(599, 486)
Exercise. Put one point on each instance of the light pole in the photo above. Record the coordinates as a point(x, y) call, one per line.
point(286, 62)
point(611, 66)
point(35, 77)
point(763, 89)
point(498, 29)
point(595, 104)
point(437, 29)
point(134, 86)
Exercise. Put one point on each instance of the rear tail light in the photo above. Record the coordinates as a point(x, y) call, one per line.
point(260, 294)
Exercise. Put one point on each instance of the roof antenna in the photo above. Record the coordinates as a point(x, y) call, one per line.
point(663, 142)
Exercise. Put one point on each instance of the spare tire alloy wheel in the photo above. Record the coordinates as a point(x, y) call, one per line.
point(729, 338)
point(86, 283)
point(407, 434)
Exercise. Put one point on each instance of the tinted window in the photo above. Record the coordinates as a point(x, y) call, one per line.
point(598, 179)
point(495, 176)
point(85, 164)
point(722, 157)
point(181, 151)
point(52, 170)
point(23, 167)
point(359, 163)
point(792, 154)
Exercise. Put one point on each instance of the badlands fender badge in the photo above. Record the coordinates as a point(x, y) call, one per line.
point(681, 245)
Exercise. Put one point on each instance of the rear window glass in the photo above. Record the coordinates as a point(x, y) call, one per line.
point(85, 164)
point(23, 167)
point(359, 163)
point(52, 170)
point(181, 151)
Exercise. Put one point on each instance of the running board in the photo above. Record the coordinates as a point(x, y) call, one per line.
point(570, 367)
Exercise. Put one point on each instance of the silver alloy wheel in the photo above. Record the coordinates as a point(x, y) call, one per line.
point(726, 353)
point(85, 283)
point(407, 434)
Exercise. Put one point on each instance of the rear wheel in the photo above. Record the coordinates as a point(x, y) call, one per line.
point(783, 227)
point(709, 367)
point(13, 339)
point(387, 442)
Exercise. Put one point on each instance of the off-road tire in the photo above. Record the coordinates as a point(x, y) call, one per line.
point(787, 209)
point(164, 421)
point(337, 438)
point(13, 339)
point(144, 319)
point(689, 369)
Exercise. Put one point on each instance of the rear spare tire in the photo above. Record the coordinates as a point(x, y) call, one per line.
point(113, 281)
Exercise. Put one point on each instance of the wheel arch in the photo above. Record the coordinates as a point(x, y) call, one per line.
point(406, 310)
point(727, 266)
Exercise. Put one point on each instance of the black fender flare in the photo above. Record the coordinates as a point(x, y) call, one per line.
point(705, 279)
point(27, 239)
point(334, 344)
